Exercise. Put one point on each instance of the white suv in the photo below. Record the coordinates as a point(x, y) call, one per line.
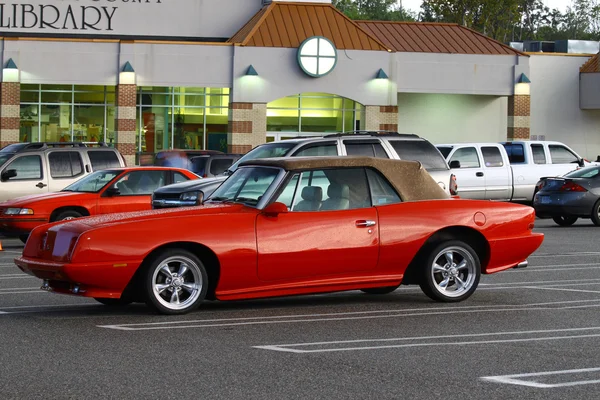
point(32, 168)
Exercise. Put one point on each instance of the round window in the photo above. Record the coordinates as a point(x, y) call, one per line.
point(317, 56)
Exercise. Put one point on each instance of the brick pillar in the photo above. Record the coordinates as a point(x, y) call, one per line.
point(126, 122)
point(10, 120)
point(247, 126)
point(519, 111)
point(380, 118)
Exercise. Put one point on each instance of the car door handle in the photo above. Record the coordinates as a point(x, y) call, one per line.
point(41, 185)
point(364, 223)
point(479, 174)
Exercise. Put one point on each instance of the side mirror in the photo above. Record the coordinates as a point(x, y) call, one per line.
point(454, 164)
point(274, 209)
point(9, 173)
point(581, 162)
point(112, 191)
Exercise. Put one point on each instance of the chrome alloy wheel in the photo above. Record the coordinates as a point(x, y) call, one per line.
point(453, 271)
point(177, 283)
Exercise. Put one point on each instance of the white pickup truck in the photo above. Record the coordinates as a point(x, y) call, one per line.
point(507, 171)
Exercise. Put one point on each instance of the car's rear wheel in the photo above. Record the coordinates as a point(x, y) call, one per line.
point(564, 220)
point(596, 213)
point(451, 273)
point(380, 290)
point(175, 282)
point(67, 215)
point(113, 302)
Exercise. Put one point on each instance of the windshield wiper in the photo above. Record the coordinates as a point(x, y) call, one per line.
point(246, 200)
point(219, 199)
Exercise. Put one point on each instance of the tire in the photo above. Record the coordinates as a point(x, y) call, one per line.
point(113, 302)
point(564, 220)
point(67, 215)
point(447, 262)
point(596, 213)
point(23, 238)
point(380, 290)
point(188, 280)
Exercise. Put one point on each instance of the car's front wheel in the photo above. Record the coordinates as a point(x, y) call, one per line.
point(175, 282)
point(451, 273)
point(564, 220)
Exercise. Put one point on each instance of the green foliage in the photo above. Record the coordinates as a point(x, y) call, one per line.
point(376, 10)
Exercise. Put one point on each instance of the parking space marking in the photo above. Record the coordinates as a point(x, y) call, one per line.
point(12, 310)
point(515, 379)
point(583, 253)
point(430, 341)
point(335, 317)
point(562, 281)
point(562, 289)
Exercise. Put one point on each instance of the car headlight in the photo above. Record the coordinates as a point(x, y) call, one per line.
point(190, 196)
point(18, 211)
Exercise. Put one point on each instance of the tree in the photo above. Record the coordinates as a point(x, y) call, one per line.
point(378, 10)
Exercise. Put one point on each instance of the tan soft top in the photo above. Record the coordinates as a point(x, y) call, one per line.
point(409, 178)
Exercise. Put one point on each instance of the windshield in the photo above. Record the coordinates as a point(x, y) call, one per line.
point(93, 183)
point(247, 185)
point(590, 172)
point(5, 157)
point(271, 150)
point(422, 151)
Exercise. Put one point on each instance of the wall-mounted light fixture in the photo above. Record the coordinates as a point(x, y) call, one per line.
point(10, 72)
point(381, 74)
point(251, 71)
point(127, 75)
point(523, 86)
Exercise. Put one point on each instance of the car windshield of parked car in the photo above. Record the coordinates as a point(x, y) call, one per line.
point(247, 185)
point(93, 183)
point(591, 172)
point(271, 150)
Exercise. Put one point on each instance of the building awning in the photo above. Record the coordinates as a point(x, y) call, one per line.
point(592, 65)
point(433, 37)
point(289, 24)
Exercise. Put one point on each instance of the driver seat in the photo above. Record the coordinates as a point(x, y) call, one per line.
point(311, 199)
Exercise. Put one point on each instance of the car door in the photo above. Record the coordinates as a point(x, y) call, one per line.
point(562, 160)
point(134, 191)
point(31, 177)
point(65, 167)
point(470, 177)
point(331, 229)
point(498, 181)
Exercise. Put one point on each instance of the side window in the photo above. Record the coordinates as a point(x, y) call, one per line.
point(420, 150)
point(103, 159)
point(65, 164)
point(178, 177)
point(357, 148)
point(220, 165)
point(318, 150)
point(539, 157)
point(562, 155)
point(27, 167)
point(140, 182)
point(332, 190)
point(492, 157)
point(287, 195)
point(515, 152)
point(381, 190)
point(467, 156)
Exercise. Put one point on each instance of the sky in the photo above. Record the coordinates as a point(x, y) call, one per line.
point(415, 5)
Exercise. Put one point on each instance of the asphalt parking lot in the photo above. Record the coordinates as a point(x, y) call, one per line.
point(525, 334)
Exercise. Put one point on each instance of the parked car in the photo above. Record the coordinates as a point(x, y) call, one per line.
point(32, 168)
point(572, 196)
point(101, 192)
point(288, 226)
point(507, 171)
point(209, 166)
point(360, 143)
point(180, 158)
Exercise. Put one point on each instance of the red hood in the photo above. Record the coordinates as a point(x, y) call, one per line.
point(26, 201)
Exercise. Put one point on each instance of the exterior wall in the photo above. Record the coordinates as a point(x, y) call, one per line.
point(279, 75)
point(10, 97)
point(247, 126)
point(444, 118)
point(381, 118)
point(589, 91)
point(125, 123)
point(555, 112)
point(458, 73)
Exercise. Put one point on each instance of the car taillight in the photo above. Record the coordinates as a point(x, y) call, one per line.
point(572, 187)
point(453, 185)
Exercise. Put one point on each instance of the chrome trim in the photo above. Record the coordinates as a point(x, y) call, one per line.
point(522, 264)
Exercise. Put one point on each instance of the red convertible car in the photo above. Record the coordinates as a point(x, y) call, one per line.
point(102, 192)
point(283, 227)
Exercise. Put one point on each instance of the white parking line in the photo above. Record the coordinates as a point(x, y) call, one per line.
point(562, 289)
point(514, 379)
point(334, 317)
point(562, 281)
point(583, 253)
point(428, 341)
